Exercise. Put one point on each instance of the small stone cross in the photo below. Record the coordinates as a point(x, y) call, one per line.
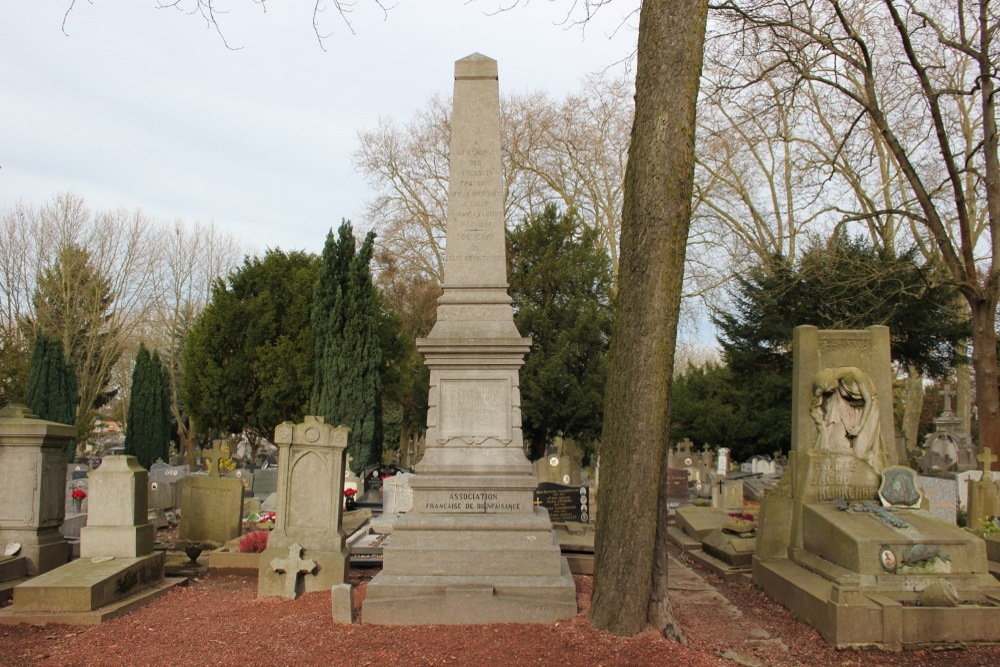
point(987, 459)
point(213, 456)
point(292, 567)
point(947, 392)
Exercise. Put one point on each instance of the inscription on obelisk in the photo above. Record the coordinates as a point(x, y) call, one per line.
point(475, 252)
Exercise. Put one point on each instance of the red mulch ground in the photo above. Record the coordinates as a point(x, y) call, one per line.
point(218, 620)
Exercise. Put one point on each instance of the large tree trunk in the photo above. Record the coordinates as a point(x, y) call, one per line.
point(984, 365)
point(630, 551)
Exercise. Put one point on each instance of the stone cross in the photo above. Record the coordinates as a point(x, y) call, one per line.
point(987, 459)
point(213, 456)
point(292, 567)
point(947, 392)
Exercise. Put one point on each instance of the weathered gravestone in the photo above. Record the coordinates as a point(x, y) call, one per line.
point(948, 447)
point(828, 549)
point(558, 469)
point(211, 507)
point(310, 486)
point(165, 482)
point(474, 549)
point(33, 487)
point(116, 551)
point(677, 486)
point(984, 493)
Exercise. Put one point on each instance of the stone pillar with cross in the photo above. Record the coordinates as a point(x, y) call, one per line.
point(984, 493)
point(311, 461)
point(213, 456)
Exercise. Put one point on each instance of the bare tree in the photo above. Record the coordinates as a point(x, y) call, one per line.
point(922, 73)
point(84, 277)
point(571, 152)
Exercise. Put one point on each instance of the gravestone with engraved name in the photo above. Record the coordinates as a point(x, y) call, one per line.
point(475, 548)
point(942, 496)
point(566, 504)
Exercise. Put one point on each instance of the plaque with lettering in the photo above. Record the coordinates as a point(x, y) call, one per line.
point(475, 410)
point(566, 504)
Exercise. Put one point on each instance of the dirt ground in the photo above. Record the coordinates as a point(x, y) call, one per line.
point(218, 620)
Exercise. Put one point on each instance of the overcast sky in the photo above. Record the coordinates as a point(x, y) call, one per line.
point(144, 107)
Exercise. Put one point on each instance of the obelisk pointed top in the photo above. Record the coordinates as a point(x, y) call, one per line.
point(476, 66)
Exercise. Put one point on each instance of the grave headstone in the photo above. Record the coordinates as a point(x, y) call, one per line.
point(117, 523)
point(265, 482)
point(984, 493)
point(677, 486)
point(247, 477)
point(949, 447)
point(942, 497)
point(211, 506)
point(474, 549)
point(722, 461)
point(310, 486)
point(397, 494)
point(33, 487)
point(566, 504)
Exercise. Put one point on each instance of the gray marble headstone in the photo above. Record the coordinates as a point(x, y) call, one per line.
point(162, 472)
point(942, 496)
point(265, 482)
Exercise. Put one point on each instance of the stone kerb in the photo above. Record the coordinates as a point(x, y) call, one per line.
point(117, 523)
point(311, 460)
point(33, 486)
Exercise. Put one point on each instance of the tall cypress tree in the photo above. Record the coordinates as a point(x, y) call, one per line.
point(52, 392)
point(347, 385)
point(147, 431)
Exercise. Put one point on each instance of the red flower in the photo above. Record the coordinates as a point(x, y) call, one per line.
point(350, 493)
point(78, 494)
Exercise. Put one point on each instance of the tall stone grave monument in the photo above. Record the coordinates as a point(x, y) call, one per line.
point(841, 541)
point(116, 561)
point(33, 487)
point(310, 487)
point(474, 549)
point(212, 506)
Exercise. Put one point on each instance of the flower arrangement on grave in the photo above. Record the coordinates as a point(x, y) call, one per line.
point(349, 500)
point(78, 494)
point(255, 542)
point(989, 526)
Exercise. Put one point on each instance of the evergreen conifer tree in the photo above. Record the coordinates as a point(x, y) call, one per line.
point(52, 392)
point(147, 431)
point(347, 384)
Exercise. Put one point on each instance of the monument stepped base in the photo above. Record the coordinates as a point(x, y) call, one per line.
point(458, 600)
point(462, 569)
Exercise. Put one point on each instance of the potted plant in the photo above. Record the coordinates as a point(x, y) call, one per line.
point(349, 502)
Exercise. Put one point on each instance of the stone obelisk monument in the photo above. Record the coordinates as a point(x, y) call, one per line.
point(474, 549)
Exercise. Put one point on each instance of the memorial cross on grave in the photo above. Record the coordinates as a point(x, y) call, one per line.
point(292, 567)
point(213, 456)
point(947, 393)
point(987, 459)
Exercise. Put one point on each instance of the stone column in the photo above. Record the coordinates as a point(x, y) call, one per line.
point(33, 486)
point(474, 549)
point(117, 523)
point(311, 460)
